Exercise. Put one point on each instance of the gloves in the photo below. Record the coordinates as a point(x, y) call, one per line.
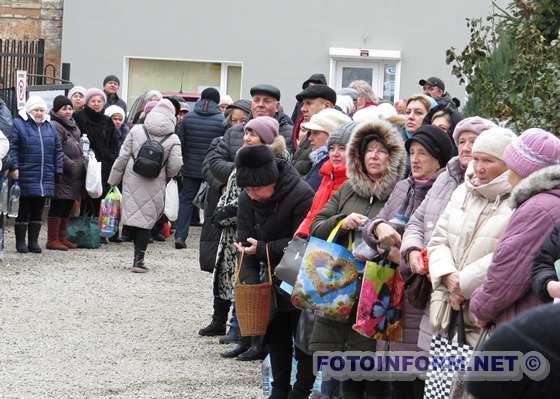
point(223, 213)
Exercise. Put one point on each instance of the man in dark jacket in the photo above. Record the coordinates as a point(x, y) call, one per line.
point(315, 79)
point(435, 88)
point(265, 102)
point(314, 99)
point(274, 201)
point(111, 85)
point(200, 127)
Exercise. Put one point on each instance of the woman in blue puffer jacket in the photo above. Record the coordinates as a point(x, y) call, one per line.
point(37, 158)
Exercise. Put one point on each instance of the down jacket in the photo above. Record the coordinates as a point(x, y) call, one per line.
point(543, 267)
point(463, 241)
point(71, 182)
point(35, 150)
point(506, 292)
point(362, 195)
point(421, 226)
point(199, 128)
point(221, 160)
point(144, 198)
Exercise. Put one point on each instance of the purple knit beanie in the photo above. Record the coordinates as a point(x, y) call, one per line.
point(474, 124)
point(95, 92)
point(149, 106)
point(533, 150)
point(265, 127)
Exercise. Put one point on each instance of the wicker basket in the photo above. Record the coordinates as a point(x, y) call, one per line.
point(252, 303)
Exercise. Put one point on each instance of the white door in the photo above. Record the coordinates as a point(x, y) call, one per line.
point(379, 74)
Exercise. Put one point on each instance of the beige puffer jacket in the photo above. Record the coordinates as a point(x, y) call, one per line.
point(463, 241)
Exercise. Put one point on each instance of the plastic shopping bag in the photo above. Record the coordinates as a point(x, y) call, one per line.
point(110, 213)
point(94, 185)
point(171, 209)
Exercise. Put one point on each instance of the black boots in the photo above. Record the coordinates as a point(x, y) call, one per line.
point(256, 351)
point(232, 336)
point(33, 230)
point(242, 346)
point(138, 265)
point(218, 325)
point(21, 232)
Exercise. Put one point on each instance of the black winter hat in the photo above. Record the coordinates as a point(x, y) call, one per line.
point(265, 89)
point(210, 94)
point(60, 101)
point(318, 91)
point(317, 78)
point(243, 105)
point(435, 141)
point(110, 78)
point(255, 166)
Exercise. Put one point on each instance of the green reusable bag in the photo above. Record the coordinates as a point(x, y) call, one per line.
point(84, 231)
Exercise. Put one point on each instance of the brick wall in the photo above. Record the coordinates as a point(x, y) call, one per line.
point(35, 19)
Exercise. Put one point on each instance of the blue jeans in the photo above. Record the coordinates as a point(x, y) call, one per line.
point(190, 188)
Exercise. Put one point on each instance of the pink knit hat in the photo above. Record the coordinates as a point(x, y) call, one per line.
point(95, 92)
point(149, 106)
point(533, 150)
point(474, 124)
point(265, 127)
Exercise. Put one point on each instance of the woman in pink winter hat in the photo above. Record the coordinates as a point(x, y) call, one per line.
point(533, 160)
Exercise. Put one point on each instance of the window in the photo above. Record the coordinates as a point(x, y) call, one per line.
point(381, 69)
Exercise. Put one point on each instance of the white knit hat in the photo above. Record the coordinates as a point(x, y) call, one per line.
point(114, 109)
point(382, 111)
point(326, 121)
point(35, 102)
point(493, 141)
point(77, 89)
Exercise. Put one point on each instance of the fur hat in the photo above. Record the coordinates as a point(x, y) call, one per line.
point(95, 92)
point(494, 141)
point(474, 124)
point(341, 134)
point(265, 127)
point(435, 141)
point(381, 111)
point(255, 166)
point(59, 102)
point(535, 149)
point(111, 78)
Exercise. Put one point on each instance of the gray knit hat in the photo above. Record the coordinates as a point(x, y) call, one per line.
point(341, 134)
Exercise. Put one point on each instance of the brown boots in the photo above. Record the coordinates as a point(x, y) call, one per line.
point(57, 234)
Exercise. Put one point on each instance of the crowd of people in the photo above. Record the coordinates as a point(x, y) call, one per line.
point(471, 205)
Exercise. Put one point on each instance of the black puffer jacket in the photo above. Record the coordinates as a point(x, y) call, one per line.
point(199, 128)
point(221, 159)
point(71, 182)
point(543, 266)
point(103, 139)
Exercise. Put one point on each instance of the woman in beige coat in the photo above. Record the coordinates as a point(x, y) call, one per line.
point(466, 234)
point(144, 198)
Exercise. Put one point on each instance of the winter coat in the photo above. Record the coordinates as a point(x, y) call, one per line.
point(4, 149)
point(463, 241)
point(144, 198)
point(301, 160)
point(332, 181)
point(199, 128)
point(318, 158)
point(544, 270)
point(404, 200)
point(103, 138)
point(274, 221)
point(35, 150)
point(210, 233)
point(506, 291)
point(222, 159)
point(71, 182)
point(122, 132)
point(361, 195)
point(421, 225)
point(114, 100)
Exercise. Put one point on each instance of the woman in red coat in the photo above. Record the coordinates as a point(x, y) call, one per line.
point(333, 172)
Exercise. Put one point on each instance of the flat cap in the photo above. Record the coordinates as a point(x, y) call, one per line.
point(266, 89)
point(317, 91)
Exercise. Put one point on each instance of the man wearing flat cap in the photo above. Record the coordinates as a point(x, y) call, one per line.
point(435, 88)
point(313, 99)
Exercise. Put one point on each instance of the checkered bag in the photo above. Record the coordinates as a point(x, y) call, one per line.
point(442, 383)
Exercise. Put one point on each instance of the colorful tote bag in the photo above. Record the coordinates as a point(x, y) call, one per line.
point(327, 282)
point(110, 213)
point(381, 301)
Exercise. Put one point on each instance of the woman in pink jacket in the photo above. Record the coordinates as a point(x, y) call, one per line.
point(534, 163)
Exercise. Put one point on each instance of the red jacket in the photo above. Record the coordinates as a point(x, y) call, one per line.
point(332, 180)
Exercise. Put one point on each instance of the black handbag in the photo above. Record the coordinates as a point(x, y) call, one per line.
point(418, 290)
point(288, 268)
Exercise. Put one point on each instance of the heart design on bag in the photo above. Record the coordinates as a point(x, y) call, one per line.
point(328, 274)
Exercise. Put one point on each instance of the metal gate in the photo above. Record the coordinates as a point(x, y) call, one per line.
point(16, 55)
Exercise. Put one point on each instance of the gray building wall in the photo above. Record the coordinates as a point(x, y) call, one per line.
point(278, 42)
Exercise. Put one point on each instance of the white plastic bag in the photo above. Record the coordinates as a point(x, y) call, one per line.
point(171, 209)
point(94, 185)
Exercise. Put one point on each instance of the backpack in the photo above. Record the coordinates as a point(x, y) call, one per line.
point(150, 158)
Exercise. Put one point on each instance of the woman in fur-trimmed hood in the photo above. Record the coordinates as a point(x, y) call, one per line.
point(375, 162)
